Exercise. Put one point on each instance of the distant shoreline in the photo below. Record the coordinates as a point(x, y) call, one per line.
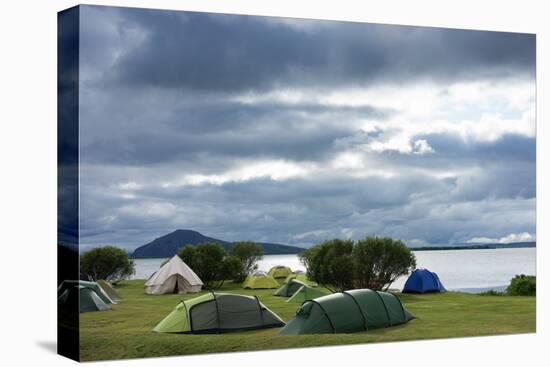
point(475, 247)
point(423, 248)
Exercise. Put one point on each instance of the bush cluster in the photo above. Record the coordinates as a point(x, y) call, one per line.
point(522, 285)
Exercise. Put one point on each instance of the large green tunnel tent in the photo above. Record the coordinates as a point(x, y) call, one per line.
point(219, 313)
point(348, 312)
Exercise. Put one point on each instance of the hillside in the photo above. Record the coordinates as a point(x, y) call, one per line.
point(168, 245)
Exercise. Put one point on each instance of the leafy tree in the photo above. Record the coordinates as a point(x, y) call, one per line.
point(109, 263)
point(211, 263)
point(374, 262)
point(330, 263)
point(232, 268)
point(523, 285)
point(188, 253)
point(248, 253)
point(379, 261)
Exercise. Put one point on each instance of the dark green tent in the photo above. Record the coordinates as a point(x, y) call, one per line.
point(348, 312)
point(305, 293)
point(86, 299)
point(91, 285)
point(302, 277)
point(288, 289)
point(219, 313)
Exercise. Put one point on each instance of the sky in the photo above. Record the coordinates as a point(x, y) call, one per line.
point(296, 131)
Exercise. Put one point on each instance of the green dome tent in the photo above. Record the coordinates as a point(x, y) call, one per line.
point(85, 297)
point(218, 313)
point(260, 280)
point(289, 288)
point(280, 271)
point(348, 312)
point(108, 288)
point(306, 293)
point(91, 285)
point(301, 276)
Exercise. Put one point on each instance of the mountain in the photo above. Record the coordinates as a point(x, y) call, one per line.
point(168, 245)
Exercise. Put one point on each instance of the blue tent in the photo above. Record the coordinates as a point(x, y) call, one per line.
point(423, 281)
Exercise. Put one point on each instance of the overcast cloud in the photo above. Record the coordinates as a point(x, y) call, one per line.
point(295, 131)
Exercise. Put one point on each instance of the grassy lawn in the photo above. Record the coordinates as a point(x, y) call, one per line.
point(125, 331)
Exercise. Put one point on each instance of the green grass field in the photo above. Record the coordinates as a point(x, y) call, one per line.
point(125, 331)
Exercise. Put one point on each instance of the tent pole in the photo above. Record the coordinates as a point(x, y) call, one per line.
point(385, 307)
point(260, 308)
point(217, 310)
point(326, 314)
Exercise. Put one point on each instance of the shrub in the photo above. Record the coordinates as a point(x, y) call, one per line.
point(374, 262)
point(109, 263)
point(211, 263)
point(522, 285)
point(492, 292)
point(248, 253)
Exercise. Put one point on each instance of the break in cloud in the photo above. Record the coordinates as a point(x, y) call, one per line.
point(295, 131)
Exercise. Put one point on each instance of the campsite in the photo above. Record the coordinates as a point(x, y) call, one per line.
point(125, 331)
point(191, 305)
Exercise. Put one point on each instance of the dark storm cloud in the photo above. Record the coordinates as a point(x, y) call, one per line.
point(164, 96)
point(226, 116)
point(235, 53)
point(190, 128)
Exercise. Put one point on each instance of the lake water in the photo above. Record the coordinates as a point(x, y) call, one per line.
point(464, 270)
